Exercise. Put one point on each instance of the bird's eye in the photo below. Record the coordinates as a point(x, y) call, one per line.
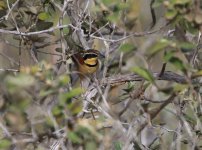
point(88, 56)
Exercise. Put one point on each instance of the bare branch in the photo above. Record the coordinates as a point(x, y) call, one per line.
point(168, 76)
point(34, 33)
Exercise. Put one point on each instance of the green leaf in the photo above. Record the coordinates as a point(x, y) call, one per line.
point(170, 14)
point(91, 145)
point(66, 96)
point(180, 87)
point(74, 137)
point(117, 145)
point(113, 17)
point(186, 46)
point(44, 93)
point(158, 46)
point(43, 16)
point(177, 63)
point(144, 73)
point(57, 110)
point(63, 80)
point(157, 3)
point(181, 2)
point(5, 144)
point(127, 47)
point(21, 81)
point(168, 55)
point(75, 107)
point(2, 5)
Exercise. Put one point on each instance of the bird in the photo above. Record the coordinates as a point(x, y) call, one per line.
point(87, 61)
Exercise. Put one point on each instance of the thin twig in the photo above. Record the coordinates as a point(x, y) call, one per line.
point(9, 70)
point(140, 34)
point(33, 33)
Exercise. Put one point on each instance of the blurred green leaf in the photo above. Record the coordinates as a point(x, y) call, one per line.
point(66, 96)
point(21, 81)
point(44, 93)
point(157, 3)
point(5, 144)
point(158, 46)
point(57, 110)
point(168, 55)
point(117, 145)
point(2, 5)
point(74, 137)
point(182, 2)
point(180, 87)
point(43, 16)
point(197, 74)
point(127, 47)
point(176, 62)
point(186, 46)
point(63, 80)
point(144, 73)
point(170, 14)
point(75, 107)
point(91, 145)
point(113, 17)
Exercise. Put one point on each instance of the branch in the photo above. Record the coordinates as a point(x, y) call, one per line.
point(33, 33)
point(167, 75)
point(72, 12)
point(129, 35)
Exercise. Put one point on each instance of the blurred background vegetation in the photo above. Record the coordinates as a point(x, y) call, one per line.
point(147, 94)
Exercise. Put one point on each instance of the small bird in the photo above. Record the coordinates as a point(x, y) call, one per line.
point(87, 62)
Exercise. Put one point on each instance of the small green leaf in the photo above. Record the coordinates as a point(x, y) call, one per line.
point(170, 14)
point(197, 74)
point(43, 16)
point(66, 96)
point(57, 110)
point(2, 5)
point(21, 81)
point(127, 47)
point(90, 145)
point(157, 3)
point(75, 107)
point(178, 63)
point(5, 144)
point(117, 145)
point(74, 137)
point(168, 55)
point(158, 46)
point(180, 87)
point(113, 17)
point(144, 73)
point(63, 80)
point(44, 93)
point(186, 47)
point(182, 2)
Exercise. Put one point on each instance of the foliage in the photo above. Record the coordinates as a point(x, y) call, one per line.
point(145, 95)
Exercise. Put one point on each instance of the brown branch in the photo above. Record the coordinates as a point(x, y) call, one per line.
point(155, 112)
point(167, 76)
point(133, 95)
